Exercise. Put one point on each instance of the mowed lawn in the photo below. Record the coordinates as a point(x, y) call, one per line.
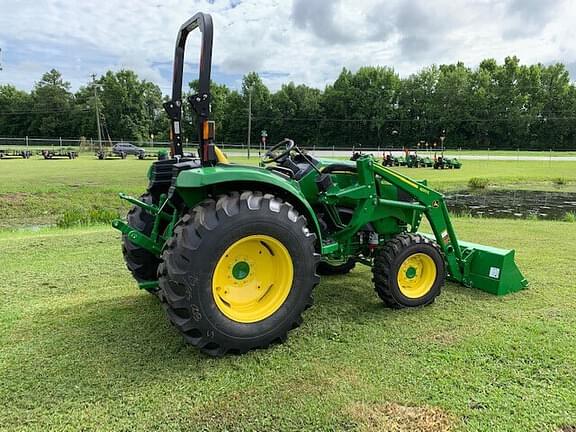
point(83, 349)
point(39, 192)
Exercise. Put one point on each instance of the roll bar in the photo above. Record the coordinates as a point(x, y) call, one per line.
point(200, 102)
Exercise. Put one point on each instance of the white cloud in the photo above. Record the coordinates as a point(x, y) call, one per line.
point(305, 41)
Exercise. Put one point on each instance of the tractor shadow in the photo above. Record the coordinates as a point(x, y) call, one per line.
point(352, 297)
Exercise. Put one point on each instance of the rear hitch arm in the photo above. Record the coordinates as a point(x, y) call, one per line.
point(137, 237)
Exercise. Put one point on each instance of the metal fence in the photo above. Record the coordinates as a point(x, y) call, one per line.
point(92, 145)
point(88, 145)
point(81, 144)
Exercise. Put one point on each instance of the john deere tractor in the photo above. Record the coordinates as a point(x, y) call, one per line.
point(233, 252)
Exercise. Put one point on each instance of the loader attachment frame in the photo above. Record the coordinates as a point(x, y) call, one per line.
point(483, 267)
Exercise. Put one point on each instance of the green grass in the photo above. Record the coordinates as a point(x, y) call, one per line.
point(570, 217)
point(561, 181)
point(83, 349)
point(478, 183)
point(39, 192)
point(504, 174)
point(485, 152)
point(93, 216)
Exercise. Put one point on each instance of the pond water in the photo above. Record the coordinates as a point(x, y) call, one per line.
point(512, 203)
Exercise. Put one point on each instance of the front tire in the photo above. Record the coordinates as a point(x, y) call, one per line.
point(142, 264)
point(409, 271)
point(238, 273)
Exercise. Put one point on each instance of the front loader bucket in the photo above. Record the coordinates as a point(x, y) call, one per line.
point(491, 269)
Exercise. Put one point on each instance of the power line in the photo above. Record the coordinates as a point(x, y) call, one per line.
point(420, 120)
point(59, 111)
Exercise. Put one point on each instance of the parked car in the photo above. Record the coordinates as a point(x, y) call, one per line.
point(125, 148)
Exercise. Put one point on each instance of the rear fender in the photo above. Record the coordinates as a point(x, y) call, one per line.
point(237, 178)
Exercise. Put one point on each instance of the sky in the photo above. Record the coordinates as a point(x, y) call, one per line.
point(305, 41)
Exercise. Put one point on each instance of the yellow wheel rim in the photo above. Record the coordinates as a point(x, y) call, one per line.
point(416, 275)
point(252, 279)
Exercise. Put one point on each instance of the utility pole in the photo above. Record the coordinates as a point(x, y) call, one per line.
point(0, 59)
point(97, 112)
point(249, 118)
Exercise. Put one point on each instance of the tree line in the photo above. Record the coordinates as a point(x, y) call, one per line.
point(506, 106)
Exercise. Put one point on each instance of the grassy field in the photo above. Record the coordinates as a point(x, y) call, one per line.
point(83, 349)
point(39, 192)
point(484, 152)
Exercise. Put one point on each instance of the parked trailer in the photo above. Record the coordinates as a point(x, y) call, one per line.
point(149, 155)
point(58, 154)
point(15, 154)
point(106, 154)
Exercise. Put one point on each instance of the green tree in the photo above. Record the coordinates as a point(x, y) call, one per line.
point(300, 103)
point(52, 104)
point(219, 104)
point(14, 111)
point(130, 106)
point(261, 103)
point(83, 113)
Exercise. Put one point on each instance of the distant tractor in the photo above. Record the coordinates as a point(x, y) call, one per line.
point(412, 160)
point(426, 161)
point(399, 160)
point(442, 162)
point(388, 159)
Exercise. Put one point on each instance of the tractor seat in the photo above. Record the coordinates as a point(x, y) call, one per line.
point(283, 172)
point(299, 165)
point(339, 167)
point(303, 169)
point(295, 172)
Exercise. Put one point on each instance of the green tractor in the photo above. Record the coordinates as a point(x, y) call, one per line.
point(399, 160)
point(454, 163)
point(233, 252)
point(442, 162)
point(426, 161)
point(412, 160)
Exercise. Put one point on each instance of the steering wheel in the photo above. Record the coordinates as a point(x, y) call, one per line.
point(278, 152)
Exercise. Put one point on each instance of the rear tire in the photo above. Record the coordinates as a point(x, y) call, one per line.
point(192, 275)
point(398, 282)
point(327, 269)
point(142, 264)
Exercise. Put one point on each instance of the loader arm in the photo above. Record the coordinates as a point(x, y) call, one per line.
point(436, 212)
point(487, 268)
